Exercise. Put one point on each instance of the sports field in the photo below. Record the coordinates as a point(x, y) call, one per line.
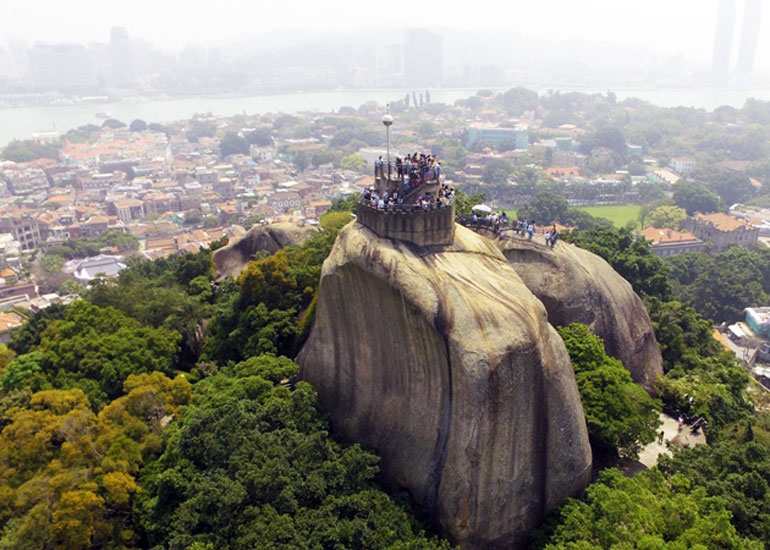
point(618, 214)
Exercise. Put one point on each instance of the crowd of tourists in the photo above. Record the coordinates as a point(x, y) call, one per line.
point(412, 170)
point(499, 223)
point(394, 199)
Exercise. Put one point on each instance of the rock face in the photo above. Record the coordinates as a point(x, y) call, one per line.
point(577, 286)
point(234, 257)
point(444, 362)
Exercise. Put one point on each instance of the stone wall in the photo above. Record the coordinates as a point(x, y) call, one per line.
point(421, 227)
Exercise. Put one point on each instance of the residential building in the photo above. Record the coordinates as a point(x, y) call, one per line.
point(285, 200)
point(23, 226)
point(129, 210)
point(722, 230)
point(758, 318)
point(669, 242)
point(683, 165)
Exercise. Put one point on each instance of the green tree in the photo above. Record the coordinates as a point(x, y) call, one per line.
point(645, 511)
point(261, 137)
point(695, 198)
point(621, 417)
point(250, 464)
point(353, 162)
point(667, 216)
point(497, 171)
point(233, 144)
point(137, 125)
point(545, 207)
point(96, 349)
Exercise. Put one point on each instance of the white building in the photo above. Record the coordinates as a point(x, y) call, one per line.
point(683, 165)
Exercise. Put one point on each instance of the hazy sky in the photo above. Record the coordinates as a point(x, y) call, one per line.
point(670, 26)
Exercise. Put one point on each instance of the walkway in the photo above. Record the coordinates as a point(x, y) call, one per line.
point(505, 232)
point(651, 453)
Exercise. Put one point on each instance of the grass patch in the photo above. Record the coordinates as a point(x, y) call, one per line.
point(619, 214)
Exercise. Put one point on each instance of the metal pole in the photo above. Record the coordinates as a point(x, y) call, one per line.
point(387, 131)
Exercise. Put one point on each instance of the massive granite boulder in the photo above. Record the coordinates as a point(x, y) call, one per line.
point(577, 286)
point(271, 238)
point(444, 362)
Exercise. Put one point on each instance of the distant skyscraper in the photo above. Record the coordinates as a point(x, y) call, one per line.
point(720, 65)
point(752, 15)
point(122, 60)
point(63, 67)
point(423, 58)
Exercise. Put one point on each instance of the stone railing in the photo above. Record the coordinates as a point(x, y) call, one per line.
point(411, 223)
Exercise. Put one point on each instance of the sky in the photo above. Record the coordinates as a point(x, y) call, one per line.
point(665, 26)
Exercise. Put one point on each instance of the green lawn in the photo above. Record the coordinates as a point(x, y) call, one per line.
point(619, 214)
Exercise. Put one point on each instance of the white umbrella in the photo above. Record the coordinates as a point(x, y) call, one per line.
point(482, 208)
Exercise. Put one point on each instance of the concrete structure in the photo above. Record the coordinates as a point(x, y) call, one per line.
point(23, 226)
point(495, 136)
point(683, 165)
point(63, 67)
point(723, 42)
point(669, 242)
point(722, 230)
point(411, 224)
point(128, 210)
point(423, 58)
point(758, 318)
point(122, 60)
point(752, 17)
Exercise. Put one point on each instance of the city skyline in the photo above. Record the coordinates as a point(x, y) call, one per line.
point(687, 26)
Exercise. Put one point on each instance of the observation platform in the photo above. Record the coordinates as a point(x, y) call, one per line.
point(413, 209)
point(410, 223)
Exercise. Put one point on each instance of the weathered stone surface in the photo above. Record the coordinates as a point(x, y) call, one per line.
point(443, 361)
point(577, 286)
point(234, 257)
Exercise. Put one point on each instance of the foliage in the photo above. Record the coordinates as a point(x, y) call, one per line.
point(645, 511)
point(261, 314)
point(84, 247)
point(201, 128)
point(721, 286)
point(702, 379)
point(546, 206)
point(735, 468)
point(250, 464)
point(667, 216)
point(620, 415)
point(96, 349)
point(29, 150)
point(464, 203)
point(353, 162)
point(68, 476)
point(233, 144)
point(113, 124)
point(261, 137)
point(695, 198)
point(497, 171)
point(137, 125)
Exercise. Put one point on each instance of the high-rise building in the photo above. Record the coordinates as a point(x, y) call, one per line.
point(423, 58)
point(723, 41)
point(122, 60)
point(63, 67)
point(752, 16)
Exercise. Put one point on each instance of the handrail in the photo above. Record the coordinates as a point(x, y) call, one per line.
point(408, 207)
